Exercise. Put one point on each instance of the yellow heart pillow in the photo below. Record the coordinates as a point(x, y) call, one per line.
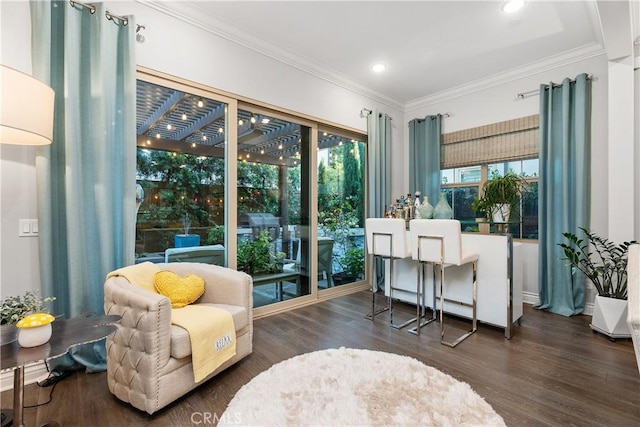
point(180, 291)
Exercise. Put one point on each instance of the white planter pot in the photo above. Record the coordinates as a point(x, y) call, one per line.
point(501, 213)
point(610, 317)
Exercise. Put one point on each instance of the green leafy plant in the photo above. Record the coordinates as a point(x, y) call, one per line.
point(14, 308)
point(500, 190)
point(606, 266)
point(353, 262)
point(255, 257)
point(215, 235)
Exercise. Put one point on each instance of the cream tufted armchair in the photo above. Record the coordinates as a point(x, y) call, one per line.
point(148, 358)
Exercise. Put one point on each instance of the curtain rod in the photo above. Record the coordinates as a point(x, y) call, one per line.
point(443, 115)
point(91, 7)
point(110, 16)
point(523, 95)
point(365, 112)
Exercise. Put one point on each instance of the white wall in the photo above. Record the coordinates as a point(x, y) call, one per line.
point(19, 269)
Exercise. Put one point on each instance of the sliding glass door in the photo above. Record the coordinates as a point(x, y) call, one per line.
point(273, 205)
point(182, 143)
point(231, 183)
point(341, 208)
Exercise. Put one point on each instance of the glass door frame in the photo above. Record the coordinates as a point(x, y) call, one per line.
point(234, 103)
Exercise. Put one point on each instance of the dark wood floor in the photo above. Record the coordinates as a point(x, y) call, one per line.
point(553, 372)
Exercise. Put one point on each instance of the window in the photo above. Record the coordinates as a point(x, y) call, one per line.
point(462, 186)
point(470, 157)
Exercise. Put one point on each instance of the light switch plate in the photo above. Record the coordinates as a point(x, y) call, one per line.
point(28, 228)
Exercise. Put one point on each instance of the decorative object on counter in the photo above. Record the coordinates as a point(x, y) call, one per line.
point(606, 268)
point(442, 210)
point(500, 195)
point(14, 308)
point(35, 329)
point(425, 210)
point(404, 207)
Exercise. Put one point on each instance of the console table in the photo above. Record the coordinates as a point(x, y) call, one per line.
point(65, 334)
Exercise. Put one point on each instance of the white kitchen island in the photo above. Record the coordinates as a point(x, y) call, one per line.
point(499, 276)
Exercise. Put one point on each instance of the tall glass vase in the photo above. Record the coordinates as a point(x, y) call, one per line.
point(442, 209)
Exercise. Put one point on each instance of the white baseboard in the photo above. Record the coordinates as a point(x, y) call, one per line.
point(534, 299)
point(531, 298)
point(31, 374)
point(588, 309)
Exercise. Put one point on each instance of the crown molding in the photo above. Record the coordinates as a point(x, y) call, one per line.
point(569, 57)
point(193, 15)
point(190, 13)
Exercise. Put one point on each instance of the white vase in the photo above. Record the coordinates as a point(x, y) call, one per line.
point(426, 210)
point(442, 209)
point(610, 317)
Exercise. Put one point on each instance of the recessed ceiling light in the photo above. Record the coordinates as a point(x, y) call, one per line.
point(511, 6)
point(378, 68)
point(265, 120)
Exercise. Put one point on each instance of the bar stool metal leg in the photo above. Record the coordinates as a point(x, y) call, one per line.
point(420, 308)
point(474, 325)
point(391, 289)
point(373, 313)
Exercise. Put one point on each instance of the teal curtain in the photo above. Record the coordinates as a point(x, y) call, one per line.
point(424, 156)
point(379, 159)
point(563, 189)
point(379, 174)
point(86, 178)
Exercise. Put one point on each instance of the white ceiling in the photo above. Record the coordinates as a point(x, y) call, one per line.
point(428, 46)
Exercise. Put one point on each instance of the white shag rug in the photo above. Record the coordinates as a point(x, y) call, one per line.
point(349, 387)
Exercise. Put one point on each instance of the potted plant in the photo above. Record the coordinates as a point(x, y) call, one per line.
point(353, 264)
point(14, 308)
point(215, 235)
point(606, 268)
point(500, 195)
point(255, 256)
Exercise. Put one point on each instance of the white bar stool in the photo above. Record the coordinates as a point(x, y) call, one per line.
point(439, 242)
point(419, 256)
point(387, 239)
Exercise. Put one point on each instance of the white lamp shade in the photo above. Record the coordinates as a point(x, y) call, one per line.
point(26, 109)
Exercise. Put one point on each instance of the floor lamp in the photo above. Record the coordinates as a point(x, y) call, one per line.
point(26, 118)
